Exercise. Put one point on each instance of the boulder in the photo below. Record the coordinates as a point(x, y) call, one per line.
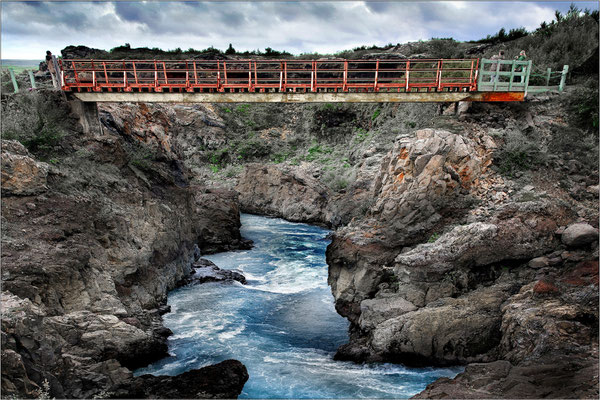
point(207, 271)
point(539, 262)
point(220, 381)
point(21, 174)
point(448, 331)
point(579, 234)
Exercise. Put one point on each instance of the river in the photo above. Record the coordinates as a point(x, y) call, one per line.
point(282, 324)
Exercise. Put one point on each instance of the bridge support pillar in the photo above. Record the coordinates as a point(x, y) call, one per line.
point(88, 116)
point(462, 107)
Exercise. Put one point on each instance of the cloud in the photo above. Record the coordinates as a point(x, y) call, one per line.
point(29, 28)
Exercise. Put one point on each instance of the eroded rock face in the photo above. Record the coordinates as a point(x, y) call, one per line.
point(293, 195)
point(479, 291)
point(549, 343)
point(220, 205)
point(427, 305)
point(176, 132)
point(21, 174)
point(421, 177)
point(447, 331)
point(88, 262)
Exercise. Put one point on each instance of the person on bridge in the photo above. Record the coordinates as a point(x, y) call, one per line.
point(521, 57)
point(495, 66)
point(50, 62)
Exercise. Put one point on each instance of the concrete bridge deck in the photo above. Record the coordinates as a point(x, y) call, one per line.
point(319, 97)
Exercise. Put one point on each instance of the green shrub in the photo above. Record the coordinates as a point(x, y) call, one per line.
point(219, 157)
point(243, 109)
point(375, 114)
point(518, 153)
point(316, 150)
point(140, 156)
point(584, 106)
point(569, 39)
point(254, 148)
point(278, 158)
point(232, 170)
point(435, 236)
point(361, 135)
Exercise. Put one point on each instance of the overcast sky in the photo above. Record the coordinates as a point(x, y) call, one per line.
point(30, 28)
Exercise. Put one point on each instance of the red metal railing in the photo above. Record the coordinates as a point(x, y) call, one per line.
point(270, 75)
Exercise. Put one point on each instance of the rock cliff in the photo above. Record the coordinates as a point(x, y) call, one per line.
point(92, 240)
point(442, 270)
point(449, 251)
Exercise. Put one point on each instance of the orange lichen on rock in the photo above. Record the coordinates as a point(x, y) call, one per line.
point(400, 177)
point(466, 177)
point(545, 287)
point(403, 153)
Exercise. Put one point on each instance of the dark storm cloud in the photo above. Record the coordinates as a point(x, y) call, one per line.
point(232, 18)
point(136, 12)
point(379, 6)
point(35, 4)
point(30, 27)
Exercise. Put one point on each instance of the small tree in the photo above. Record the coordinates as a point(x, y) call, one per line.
point(230, 50)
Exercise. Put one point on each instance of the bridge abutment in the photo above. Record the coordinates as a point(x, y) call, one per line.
point(88, 116)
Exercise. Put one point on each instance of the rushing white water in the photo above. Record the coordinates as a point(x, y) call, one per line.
point(282, 325)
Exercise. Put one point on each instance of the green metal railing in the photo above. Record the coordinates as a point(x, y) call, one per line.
point(554, 80)
point(514, 76)
point(13, 79)
point(503, 75)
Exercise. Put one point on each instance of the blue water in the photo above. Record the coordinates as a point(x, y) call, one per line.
point(282, 324)
point(20, 63)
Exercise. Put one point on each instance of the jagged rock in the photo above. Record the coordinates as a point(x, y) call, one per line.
point(87, 263)
point(79, 52)
point(500, 379)
point(579, 234)
point(221, 381)
point(430, 271)
point(293, 195)
point(375, 311)
point(207, 271)
point(21, 174)
point(557, 315)
point(421, 176)
point(593, 189)
point(447, 331)
point(539, 262)
point(217, 216)
point(549, 344)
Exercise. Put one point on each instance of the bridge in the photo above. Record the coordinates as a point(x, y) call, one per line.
point(292, 81)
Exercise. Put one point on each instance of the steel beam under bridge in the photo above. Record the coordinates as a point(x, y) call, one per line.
point(319, 97)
